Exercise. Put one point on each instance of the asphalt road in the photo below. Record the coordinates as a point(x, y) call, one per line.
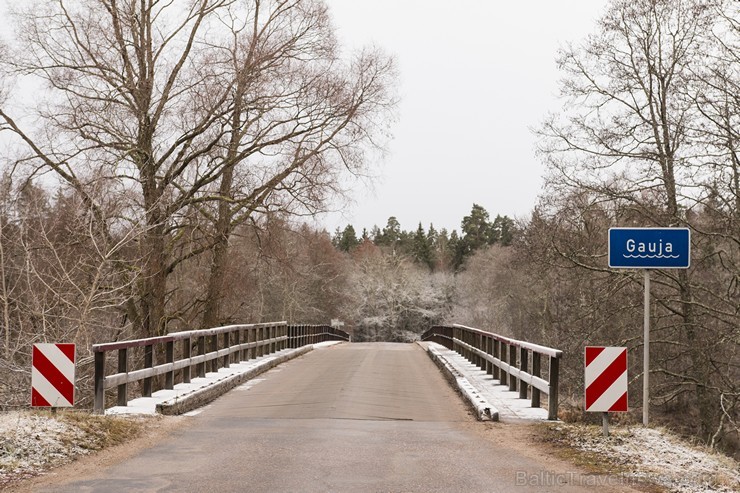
point(353, 417)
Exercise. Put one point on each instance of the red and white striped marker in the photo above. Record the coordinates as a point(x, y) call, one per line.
point(606, 379)
point(53, 375)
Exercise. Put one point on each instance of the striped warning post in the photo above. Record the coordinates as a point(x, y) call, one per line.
point(606, 379)
point(53, 375)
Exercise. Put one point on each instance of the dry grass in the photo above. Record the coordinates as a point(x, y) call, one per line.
point(652, 460)
point(32, 442)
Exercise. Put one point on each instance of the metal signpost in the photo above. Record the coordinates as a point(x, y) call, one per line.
point(649, 248)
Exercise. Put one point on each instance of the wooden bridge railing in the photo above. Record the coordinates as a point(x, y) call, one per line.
point(216, 348)
point(507, 360)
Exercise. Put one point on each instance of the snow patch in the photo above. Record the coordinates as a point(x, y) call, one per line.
point(30, 443)
point(656, 456)
point(508, 403)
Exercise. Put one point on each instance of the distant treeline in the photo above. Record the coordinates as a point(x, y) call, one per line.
point(438, 250)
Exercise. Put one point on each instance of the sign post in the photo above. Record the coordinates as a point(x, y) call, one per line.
point(649, 248)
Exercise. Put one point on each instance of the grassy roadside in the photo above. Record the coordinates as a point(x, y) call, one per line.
point(32, 442)
point(652, 460)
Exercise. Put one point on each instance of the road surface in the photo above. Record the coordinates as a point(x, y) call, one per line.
point(353, 417)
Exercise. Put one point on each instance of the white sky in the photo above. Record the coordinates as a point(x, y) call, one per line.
point(475, 76)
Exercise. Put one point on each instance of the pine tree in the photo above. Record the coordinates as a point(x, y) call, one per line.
point(420, 248)
point(348, 239)
point(503, 230)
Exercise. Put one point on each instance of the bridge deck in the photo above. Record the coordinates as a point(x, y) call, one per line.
point(354, 417)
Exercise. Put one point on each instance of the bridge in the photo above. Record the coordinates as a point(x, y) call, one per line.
point(332, 416)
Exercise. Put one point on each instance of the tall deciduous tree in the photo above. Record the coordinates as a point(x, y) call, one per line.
point(626, 137)
point(297, 117)
point(196, 129)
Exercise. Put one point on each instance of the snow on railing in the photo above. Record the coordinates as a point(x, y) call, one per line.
point(228, 344)
point(497, 356)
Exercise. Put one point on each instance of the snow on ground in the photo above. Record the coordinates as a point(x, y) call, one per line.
point(657, 456)
point(33, 441)
point(148, 405)
point(508, 403)
point(645, 455)
point(29, 442)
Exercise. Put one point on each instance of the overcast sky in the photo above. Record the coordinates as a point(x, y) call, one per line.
point(475, 76)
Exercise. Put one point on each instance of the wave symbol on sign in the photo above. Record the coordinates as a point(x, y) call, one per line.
point(650, 256)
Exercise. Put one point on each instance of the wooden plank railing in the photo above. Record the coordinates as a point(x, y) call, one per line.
point(515, 363)
point(215, 348)
point(304, 334)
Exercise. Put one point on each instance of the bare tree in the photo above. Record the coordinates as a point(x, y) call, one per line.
point(298, 116)
point(207, 129)
point(628, 138)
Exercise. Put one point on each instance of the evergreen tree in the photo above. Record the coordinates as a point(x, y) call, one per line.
point(477, 230)
point(420, 248)
point(391, 234)
point(456, 249)
point(432, 237)
point(336, 238)
point(348, 239)
point(503, 230)
point(443, 250)
point(376, 236)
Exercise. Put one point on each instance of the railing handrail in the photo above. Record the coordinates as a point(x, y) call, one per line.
point(548, 351)
point(178, 336)
point(498, 355)
point(237, 343)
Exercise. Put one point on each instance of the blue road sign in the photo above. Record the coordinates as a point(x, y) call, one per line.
point(649, 248)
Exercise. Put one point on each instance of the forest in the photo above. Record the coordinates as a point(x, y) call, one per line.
point(159, 180)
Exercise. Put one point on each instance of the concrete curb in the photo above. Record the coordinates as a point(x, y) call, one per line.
point(483, 409)
point(199, 397)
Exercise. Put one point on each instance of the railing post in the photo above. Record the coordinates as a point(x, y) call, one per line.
point(496, 355)
point(504, 353)
point(466, 339)
point(123, 368)
point(227, 346)
point(200, 368)
point(489, 352)
point(99, 404)
point(523, 366)
point(478, 360)
point(512, 364)
point(169, 357)
point(261, 339)
point(552, 397)
point(146, 389)
point(536, 372)
point(251, 337)
point(214, 347)
point(187, 350)
point(237, 356)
